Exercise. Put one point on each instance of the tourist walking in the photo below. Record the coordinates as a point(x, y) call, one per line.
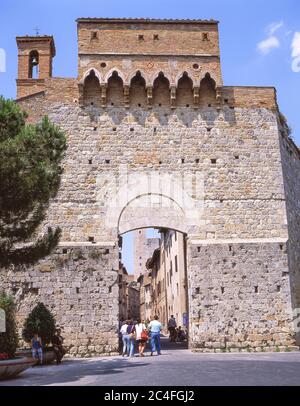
point(37, 348)
point(125, 339)
point(141, 336)
point(172, 329)
point(131, 331)
point(155, 328)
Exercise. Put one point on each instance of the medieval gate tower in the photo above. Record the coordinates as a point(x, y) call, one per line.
point(149, 103)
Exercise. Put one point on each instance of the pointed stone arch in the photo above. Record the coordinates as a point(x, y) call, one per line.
point(138, 92)
point(210, 74)
point(155, 75)
point(111, 72)
point(185, 93)
point(115, 89)
point(208, 92)
point(189, 73)
point(87, 73)
point(134, 73)
point(161, 91)
point(91, 89)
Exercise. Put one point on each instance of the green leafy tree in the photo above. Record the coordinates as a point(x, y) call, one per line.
point(9, 339)
point(40, 321)
point(30, 173)
point(284, 123)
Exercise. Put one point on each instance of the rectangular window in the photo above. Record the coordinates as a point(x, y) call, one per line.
point(176, 264)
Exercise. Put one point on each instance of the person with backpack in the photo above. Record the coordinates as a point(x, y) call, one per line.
point(141, 336)
point(172, 329)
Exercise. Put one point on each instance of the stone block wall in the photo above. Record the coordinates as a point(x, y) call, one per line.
point(150, 97)
point(79, 285)
point(291, 171)
point(237, 151)
point(240, 296)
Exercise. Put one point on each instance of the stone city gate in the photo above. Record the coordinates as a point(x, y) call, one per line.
point(149, 101)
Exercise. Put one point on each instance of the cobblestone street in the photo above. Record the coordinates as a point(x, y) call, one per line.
point(175, 367)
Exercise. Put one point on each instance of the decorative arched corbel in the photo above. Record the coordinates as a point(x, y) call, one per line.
point(103, 95)
point(219, 95)
point(149, 96)
point(126, 92)
point(81, 94)
point(196, 96)
point(173, 97)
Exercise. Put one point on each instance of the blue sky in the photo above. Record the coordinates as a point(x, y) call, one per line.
point(127, 249)
point(256, 38)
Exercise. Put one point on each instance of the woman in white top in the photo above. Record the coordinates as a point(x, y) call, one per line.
point(125, 339)
point(141, 339)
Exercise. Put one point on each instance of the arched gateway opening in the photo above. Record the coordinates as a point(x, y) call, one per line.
point(153, 281)
point(154, 228)
point(161, 281)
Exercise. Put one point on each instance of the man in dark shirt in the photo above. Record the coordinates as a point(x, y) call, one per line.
point(57, 342)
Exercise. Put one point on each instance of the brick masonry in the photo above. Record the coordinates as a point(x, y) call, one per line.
point(183, 121)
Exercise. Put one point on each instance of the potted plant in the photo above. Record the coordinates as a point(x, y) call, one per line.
point(10, 364)
point(41, 321)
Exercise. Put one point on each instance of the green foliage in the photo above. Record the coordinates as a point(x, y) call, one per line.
point(284, 123)
point(9, 339)
point(40, 321)
point(30, 173)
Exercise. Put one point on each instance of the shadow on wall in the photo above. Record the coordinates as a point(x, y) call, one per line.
point(181, 104)
point(161, 116)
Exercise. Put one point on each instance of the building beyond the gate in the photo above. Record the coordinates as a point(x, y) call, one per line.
point(167, 278)
point(149, 110)
point(143, 248)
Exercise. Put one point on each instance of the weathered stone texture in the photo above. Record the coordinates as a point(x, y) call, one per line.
point(291, 170)
point(171, 117)
point(79, 284)
point(240, 296)
point(243, 190)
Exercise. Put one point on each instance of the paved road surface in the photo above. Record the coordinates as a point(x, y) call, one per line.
point(176, 366)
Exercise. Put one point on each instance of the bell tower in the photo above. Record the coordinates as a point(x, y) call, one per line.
point(35, 55)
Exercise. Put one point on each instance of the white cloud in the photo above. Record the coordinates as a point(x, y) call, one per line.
point(296, 52)
point(2, 60)
point(272, 28)
point(268, 44)
point(296, 45)
point(271, 42)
